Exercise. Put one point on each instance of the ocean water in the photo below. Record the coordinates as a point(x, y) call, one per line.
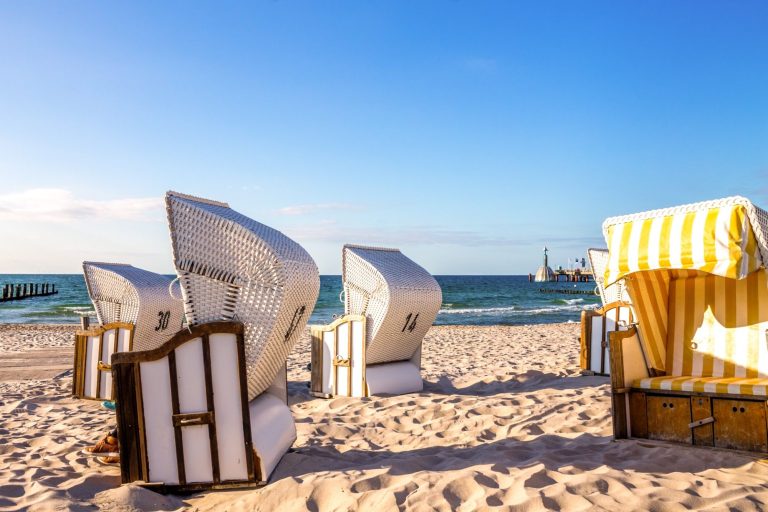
point(467, 300)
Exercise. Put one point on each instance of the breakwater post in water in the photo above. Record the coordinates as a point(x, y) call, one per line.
point(27, 291)
point(568, 292)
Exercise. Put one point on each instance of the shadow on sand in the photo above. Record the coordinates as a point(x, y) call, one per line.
point(585, 452)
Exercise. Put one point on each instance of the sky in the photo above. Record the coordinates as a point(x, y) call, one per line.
point(467, 134)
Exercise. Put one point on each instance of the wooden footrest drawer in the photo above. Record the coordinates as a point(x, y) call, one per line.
point(740, 424)
point(668, 418)
point(700, 420)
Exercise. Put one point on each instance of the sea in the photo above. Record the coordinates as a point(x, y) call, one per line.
point(467, 300)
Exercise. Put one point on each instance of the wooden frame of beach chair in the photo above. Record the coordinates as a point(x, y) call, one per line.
point(184, 419)
point(596, 324)
point(123, 296)
point(694, 369)
point(375, 348)
point(92, 376)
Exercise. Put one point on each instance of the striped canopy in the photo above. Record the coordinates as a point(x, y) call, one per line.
point(723, 237)
point(699, 287)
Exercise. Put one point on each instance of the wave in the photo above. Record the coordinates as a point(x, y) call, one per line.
point(73, 308)
point(58, 311)
point(518, 311)
point(552, 309)
point(466, 311)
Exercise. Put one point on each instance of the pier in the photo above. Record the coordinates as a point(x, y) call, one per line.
point(27, 291)
point(569, 276)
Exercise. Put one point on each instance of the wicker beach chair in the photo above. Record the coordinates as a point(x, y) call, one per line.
point(694, 367)
point(390, 303)
point(596, 327)
point(598, 260)
point(208, 409)
point(135, 312)
point(596, 324)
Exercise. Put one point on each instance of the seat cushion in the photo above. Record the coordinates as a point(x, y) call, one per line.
point(723, 385)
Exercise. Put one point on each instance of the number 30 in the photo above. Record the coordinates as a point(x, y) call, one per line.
point(162, 321)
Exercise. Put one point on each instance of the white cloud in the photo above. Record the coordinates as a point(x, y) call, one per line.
point(305, 209)
point(61, 205)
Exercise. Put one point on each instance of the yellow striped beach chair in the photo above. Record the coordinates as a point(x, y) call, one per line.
point(694, 366)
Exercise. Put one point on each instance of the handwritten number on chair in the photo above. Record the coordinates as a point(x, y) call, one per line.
point(162, 320)
point(295, 322)
point(410, 324)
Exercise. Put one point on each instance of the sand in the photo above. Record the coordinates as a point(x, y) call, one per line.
point(505, 421)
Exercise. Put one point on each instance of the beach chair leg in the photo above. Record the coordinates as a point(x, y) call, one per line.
point(619, 412)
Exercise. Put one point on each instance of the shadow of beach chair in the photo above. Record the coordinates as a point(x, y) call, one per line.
point(390, 302)
point(694, 367)
point(208, 409)
point(135, 312)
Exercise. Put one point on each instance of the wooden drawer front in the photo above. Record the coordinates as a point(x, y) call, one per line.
point(668, 418)
point(740, 424)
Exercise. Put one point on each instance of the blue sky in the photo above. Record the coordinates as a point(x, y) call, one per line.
point(468, 134)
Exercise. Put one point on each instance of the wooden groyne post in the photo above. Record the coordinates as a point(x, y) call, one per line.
point(27, 291)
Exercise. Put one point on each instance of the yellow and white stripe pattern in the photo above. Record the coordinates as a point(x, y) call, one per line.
point(718, 240)
point(719, 385)
point(650, 292)
point(717, 326)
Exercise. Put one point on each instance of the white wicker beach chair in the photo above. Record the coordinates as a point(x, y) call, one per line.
point(135, 311)
point(598, 260)
point(596, 327)
point(596, 324)
point(390, 304)
point(234, 268)
point(209, 408)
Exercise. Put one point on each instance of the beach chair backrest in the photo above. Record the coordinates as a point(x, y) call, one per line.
point(124, 293)
point(399, 299)
point(717, 326)
point(234, 268)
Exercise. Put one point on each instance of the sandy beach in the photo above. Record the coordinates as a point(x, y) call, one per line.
point(505, 421)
